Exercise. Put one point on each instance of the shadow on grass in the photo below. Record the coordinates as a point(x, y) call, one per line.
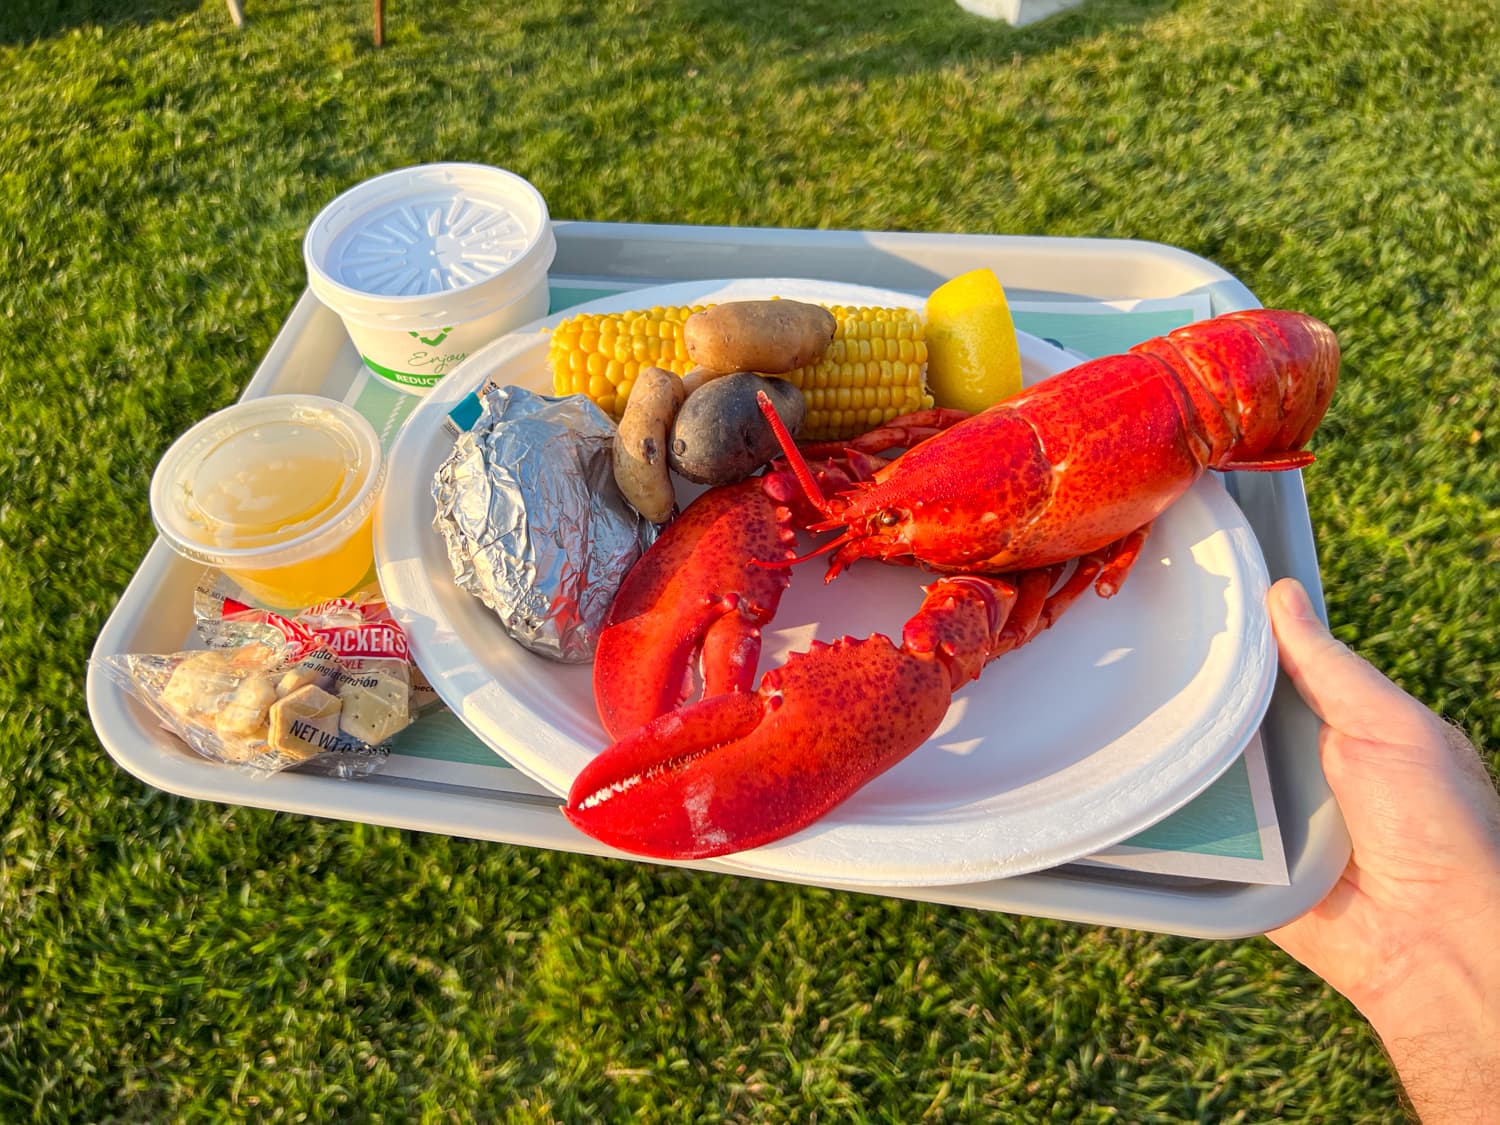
point(933, 33)
point(814, 48)
point(26, 21)
point(828, 43)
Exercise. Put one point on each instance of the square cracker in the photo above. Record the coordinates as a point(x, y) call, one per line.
point(304, 722)
point(376, 706)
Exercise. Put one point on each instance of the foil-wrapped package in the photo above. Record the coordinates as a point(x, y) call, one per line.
point(534, 523)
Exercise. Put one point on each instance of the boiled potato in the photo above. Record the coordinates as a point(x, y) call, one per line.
point(772, 337)
point(721, 436)
point(640, 451)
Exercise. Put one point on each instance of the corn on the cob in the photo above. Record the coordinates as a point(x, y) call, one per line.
point(600, 354)
point(872, 372)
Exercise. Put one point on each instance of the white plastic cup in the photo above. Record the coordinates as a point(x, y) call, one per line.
point(427, 264)
point(277, 492)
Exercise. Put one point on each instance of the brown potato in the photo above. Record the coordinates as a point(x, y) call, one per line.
point(772, 337)
point(700, 375)
point(641, 443)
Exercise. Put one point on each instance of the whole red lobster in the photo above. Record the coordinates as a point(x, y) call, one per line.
point(1072, 470)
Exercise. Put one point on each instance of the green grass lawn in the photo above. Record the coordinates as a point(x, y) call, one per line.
point(162, 959)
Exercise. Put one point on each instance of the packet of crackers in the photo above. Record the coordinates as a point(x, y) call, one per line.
point(325, 689)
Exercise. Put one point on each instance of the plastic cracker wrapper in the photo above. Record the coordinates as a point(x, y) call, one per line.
point(325, 689)
point(534, 524)
point(358, 627)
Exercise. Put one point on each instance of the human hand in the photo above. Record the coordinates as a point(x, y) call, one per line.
point(1407, 934)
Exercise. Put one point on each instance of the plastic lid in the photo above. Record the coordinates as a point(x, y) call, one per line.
point(267, 480)
point(436, 244)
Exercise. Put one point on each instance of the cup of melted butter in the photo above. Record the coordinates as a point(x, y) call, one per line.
point(279, 493)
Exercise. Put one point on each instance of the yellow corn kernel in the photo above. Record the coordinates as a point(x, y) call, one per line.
point(872, 348)
point(612, 348)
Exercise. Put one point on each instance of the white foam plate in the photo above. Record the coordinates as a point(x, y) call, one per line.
point(1120, 714)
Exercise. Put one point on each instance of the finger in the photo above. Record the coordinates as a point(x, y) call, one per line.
point(1343, 689)
point(1398, 772)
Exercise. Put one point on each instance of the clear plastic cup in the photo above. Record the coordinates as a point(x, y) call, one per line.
point(279, 493)
point(427, 264)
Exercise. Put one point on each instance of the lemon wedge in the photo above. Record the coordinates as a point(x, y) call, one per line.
point(973, 360)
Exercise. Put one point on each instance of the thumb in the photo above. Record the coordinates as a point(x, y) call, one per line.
point(1343, 689)
point(1408, 784)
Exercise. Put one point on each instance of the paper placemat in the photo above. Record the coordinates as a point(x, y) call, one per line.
point(1229, 832)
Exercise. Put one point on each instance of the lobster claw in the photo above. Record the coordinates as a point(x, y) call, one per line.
point(697, 590)
point(738, 770)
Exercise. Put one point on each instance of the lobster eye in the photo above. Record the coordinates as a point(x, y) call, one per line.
point(891, 517)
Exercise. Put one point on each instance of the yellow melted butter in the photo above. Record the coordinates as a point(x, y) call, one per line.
point(273, 478)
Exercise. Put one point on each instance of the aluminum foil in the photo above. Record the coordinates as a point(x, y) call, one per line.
point(534, 524)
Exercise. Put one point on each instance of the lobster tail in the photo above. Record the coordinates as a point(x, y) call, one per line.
point(1260, 381)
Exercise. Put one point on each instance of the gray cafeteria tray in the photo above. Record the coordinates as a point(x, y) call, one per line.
point(312, 354)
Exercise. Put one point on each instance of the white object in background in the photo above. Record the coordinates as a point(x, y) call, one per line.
point(1017, 12)
point(427, 264)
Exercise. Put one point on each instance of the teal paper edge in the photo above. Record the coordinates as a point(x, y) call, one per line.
point(1099, 333)
point(1219, 821)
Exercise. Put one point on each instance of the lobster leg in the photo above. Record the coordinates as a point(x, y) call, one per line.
point(899, 433)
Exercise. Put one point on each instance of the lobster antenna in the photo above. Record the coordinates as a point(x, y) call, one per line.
point(777, 564)
point(794, 458)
